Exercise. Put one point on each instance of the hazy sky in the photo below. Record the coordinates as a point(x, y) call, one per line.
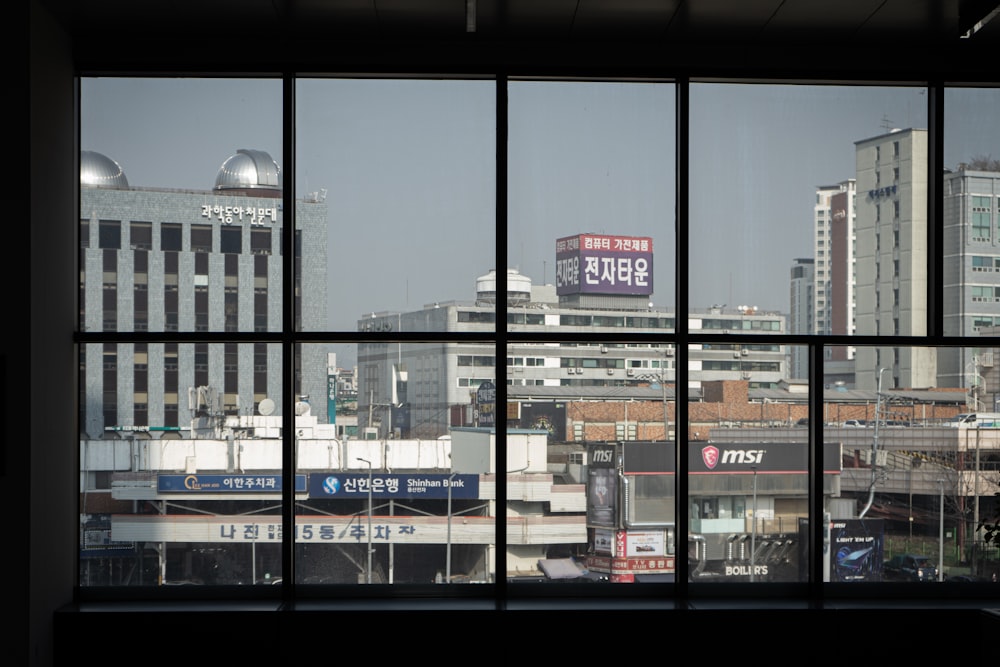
point(408, 170)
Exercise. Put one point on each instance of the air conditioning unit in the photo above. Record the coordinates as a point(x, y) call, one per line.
point(630, 371)
point(611, 371)
point(736, 355)
point(579, 371)
point(745, 353)
point(670, 351)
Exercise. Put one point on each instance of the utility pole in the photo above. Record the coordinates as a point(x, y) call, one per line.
point(447, 565)
point(878, 418)
point(369, 573)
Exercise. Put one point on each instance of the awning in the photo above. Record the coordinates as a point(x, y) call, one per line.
point(561, 568)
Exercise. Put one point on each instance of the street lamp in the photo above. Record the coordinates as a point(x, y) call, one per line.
point(369, 574)
point(753, 528)
point(941, 532)
point(447, 565)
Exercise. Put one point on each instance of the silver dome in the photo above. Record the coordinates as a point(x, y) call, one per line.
point(99, 170)
point(249, 169)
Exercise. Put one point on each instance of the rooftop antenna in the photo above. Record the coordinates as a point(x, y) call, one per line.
point(886, 123)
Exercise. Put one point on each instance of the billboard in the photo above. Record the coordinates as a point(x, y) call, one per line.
point(604, 264)
point(486, 401)
point(602, 485)
point(545, 416)
point(856, 546)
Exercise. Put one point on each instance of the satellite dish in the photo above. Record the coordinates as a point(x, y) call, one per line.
point(266, 407)
point(301, 408)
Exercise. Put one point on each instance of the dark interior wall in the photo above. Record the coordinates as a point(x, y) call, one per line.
point(39, 479)
point(742, 635)
point(38, 492)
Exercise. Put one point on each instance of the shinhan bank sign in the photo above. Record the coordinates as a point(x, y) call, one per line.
point(387, 485)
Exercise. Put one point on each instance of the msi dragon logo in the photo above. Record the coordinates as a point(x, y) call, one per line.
point(710, 455)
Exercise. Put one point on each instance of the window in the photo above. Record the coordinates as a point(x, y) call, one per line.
point(110, 235)
point(201, 239)
point(231, 240)
point(395, 401)
point(980, 217)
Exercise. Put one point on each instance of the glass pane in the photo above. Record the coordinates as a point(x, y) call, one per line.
point(749, 483)
point(399, 178)
point(920, 469)
point(971, 192)
point(388, 500)
point(180, 464)
point(820, 189)
point(591, 454)
point(591, 197)
point(176, 175)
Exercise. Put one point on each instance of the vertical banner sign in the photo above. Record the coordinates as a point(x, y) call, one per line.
point(602, 485)
point(331, 398)
point(486, 401)
point(545, 416)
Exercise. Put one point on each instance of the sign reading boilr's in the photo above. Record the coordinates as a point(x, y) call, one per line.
point(602, 264)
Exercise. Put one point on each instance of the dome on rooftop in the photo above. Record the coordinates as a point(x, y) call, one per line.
point(97, 170)
point(249, 170)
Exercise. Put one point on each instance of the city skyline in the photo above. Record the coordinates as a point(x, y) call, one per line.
point(582, 157)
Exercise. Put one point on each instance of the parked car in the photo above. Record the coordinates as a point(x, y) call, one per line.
point(855, 423)
point(909, 567)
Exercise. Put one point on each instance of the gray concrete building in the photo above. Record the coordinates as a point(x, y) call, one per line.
point(971, 275)
point(156, 259)
point(420, 390)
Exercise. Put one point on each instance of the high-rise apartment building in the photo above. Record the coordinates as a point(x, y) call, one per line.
point(831, 279)
point(891, 251)
point(801, 313)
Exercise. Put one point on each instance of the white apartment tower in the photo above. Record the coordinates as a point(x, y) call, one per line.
point(891, 253)
point(821, 252)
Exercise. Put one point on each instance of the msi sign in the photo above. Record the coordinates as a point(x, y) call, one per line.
point(602, 455)
point(713, 457)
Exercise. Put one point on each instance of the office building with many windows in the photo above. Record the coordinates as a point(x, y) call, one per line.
point(972, 271)
point(407, 390)
point(157, 259)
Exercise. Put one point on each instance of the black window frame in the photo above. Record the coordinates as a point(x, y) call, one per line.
point(680, 337)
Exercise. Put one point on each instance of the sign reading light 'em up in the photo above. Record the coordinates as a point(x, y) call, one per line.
point(601, 264)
